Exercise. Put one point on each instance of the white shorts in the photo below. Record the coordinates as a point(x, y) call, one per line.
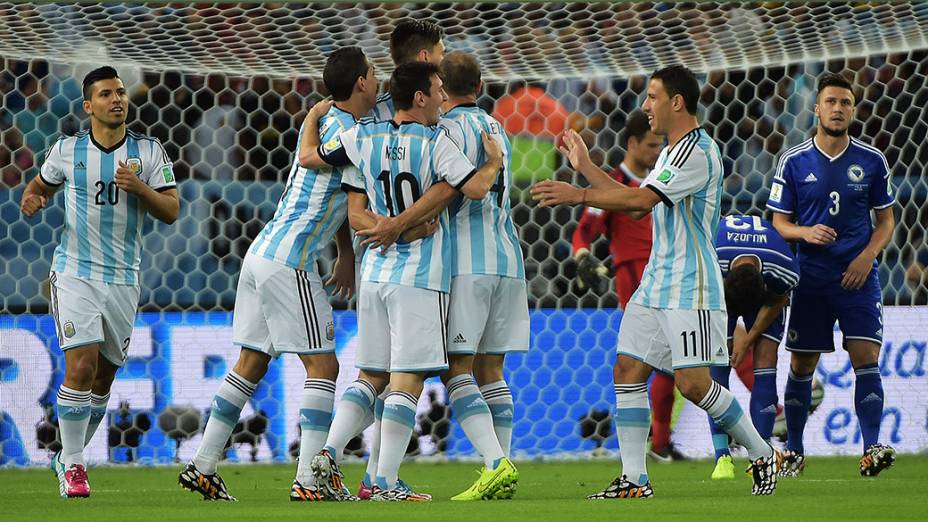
point(279, 309)
point(668, 340)
point(401, 328)
point(94, 312)
point(488, 314)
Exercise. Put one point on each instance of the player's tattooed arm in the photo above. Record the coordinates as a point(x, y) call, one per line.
point(36, 196)
point(309, 142)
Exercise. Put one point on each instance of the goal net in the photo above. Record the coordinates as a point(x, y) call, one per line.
point(225, 88)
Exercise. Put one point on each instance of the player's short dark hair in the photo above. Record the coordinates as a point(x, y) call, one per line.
point(100, 73)
point(342, 70)
point(411, 36)
point(744, 290)
point(636, 126)
point(460, 73)
point(409, 78)
point(834, 80)
point(677, 79)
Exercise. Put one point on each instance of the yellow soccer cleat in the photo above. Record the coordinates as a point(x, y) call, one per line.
point(495, 483)
point(724, 469)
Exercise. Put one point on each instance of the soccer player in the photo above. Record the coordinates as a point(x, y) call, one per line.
point(760, 271)
point(411, 41)
point(112, 177)
point(821, 196)
point(675, 321)
point(281, 305)
point(402, 302)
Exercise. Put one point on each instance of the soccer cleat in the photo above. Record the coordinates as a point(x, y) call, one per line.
point(793, 464)
point(667, 455)
point(724, 468)
point(765, 471)
point(301, 493)
point(496, 483)
point(877, 458)
point(76, 484)
point(622, 488)
point(329, 478)
point(210, 486)
point(364, 491)
point(400, 493)
point(58, 470)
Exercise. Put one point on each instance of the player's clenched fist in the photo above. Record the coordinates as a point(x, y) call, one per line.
point(31, 203)
point(128, 180)
point(820, 235)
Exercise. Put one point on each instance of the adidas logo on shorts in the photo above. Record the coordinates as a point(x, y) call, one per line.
point(459, 339)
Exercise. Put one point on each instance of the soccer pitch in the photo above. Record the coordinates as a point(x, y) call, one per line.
point(830, 490)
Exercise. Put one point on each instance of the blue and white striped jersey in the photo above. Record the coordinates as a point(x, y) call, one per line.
point(102, 235)
point(741, 236)
point(482, 232)
point(683, 269)
point(383, 110)
point(396, 164)
point(312, 207)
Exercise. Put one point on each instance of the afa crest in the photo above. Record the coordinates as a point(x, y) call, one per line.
point(69, 329)
point(330, 330)
point(135, 165)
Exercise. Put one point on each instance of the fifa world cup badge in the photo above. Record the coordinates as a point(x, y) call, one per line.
point(135, 165)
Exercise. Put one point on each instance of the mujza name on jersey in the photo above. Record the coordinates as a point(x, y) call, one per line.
point(736, 223)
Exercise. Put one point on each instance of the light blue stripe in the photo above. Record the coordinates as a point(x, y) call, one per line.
point(716, 300)
point(731, 416)
point(468, 406)
point(379, 203)
point(378, 408)
point(689, 292)
point(720, 441)
point(73, 413)
point(400, 414)
point(107, 175)
point(132, 232)
point(502, 414)
point(97, 413)
point(667, 268)
point(315, 420)
point(311, 183)
point(82, 200)
point(355, 395)
point(633, 417)
point(225, 411)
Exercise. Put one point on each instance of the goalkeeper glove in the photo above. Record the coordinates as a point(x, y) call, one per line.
point(591, 273)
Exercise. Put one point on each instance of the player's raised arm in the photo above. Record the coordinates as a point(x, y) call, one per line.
point(576, 152)
point(308, 154)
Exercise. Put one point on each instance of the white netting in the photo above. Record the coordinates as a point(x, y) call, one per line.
point(225, 88)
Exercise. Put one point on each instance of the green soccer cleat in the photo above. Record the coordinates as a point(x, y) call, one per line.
point(492, 484)
point(724, 468)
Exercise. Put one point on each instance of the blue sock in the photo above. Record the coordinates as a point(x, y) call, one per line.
point(720, 374)
point(868, 401)
point(764, 400)
point(796, 400)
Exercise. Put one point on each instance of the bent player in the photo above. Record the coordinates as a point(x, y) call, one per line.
point(822, 195)
point(760, 271)
point(675, 321)
point(280, 303)
point(113, 178)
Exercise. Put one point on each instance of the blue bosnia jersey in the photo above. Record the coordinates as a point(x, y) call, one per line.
point(312, 207)
point(838, 192)
point(740, 236)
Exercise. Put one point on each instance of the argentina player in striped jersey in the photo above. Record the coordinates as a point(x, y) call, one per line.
point(675, 321)
point(112, 177)
point(280, 304)
point(410, 41)
point(760, 271)
point(402, 303)
point(822, 196)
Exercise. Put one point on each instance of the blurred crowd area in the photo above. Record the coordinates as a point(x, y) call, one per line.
point(232, 139)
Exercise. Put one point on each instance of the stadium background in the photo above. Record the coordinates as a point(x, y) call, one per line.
point(227, 99)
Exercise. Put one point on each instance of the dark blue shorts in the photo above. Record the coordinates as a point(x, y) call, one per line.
point(774, 332)
point(813, 314)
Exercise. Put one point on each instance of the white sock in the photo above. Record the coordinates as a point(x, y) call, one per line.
point(632, 422)
point(231, 397)
point(315, 419)
point(370, 474)
point(354, 413)
point(399, 420)
point(499, 400)
point(73, 418)
point(97, 413)
point(473, 415)
point(727, 413)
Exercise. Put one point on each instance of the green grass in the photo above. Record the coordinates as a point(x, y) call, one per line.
point(831, 489)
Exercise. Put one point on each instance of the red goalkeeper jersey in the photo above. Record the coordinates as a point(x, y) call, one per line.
point(629, 239)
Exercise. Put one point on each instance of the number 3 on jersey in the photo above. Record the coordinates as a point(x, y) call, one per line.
point(404, 184)
point(836, 202)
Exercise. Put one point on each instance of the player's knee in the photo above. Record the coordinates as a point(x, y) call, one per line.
point(252, 365)
point(321, 366)
point(81, 372)
point(863, 353)
point(378, 380)
point(803, 363)
point(692, 387)
point(458, 365)
point(488, 369)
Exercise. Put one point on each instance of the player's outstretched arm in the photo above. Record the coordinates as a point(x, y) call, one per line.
point(477, 186)
point(636, 202)
point(36, 196)
point(765, 316)
point(163, 206)
point(857, 272)
point(386, 230)
point(308, 154)
point(576, 152)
